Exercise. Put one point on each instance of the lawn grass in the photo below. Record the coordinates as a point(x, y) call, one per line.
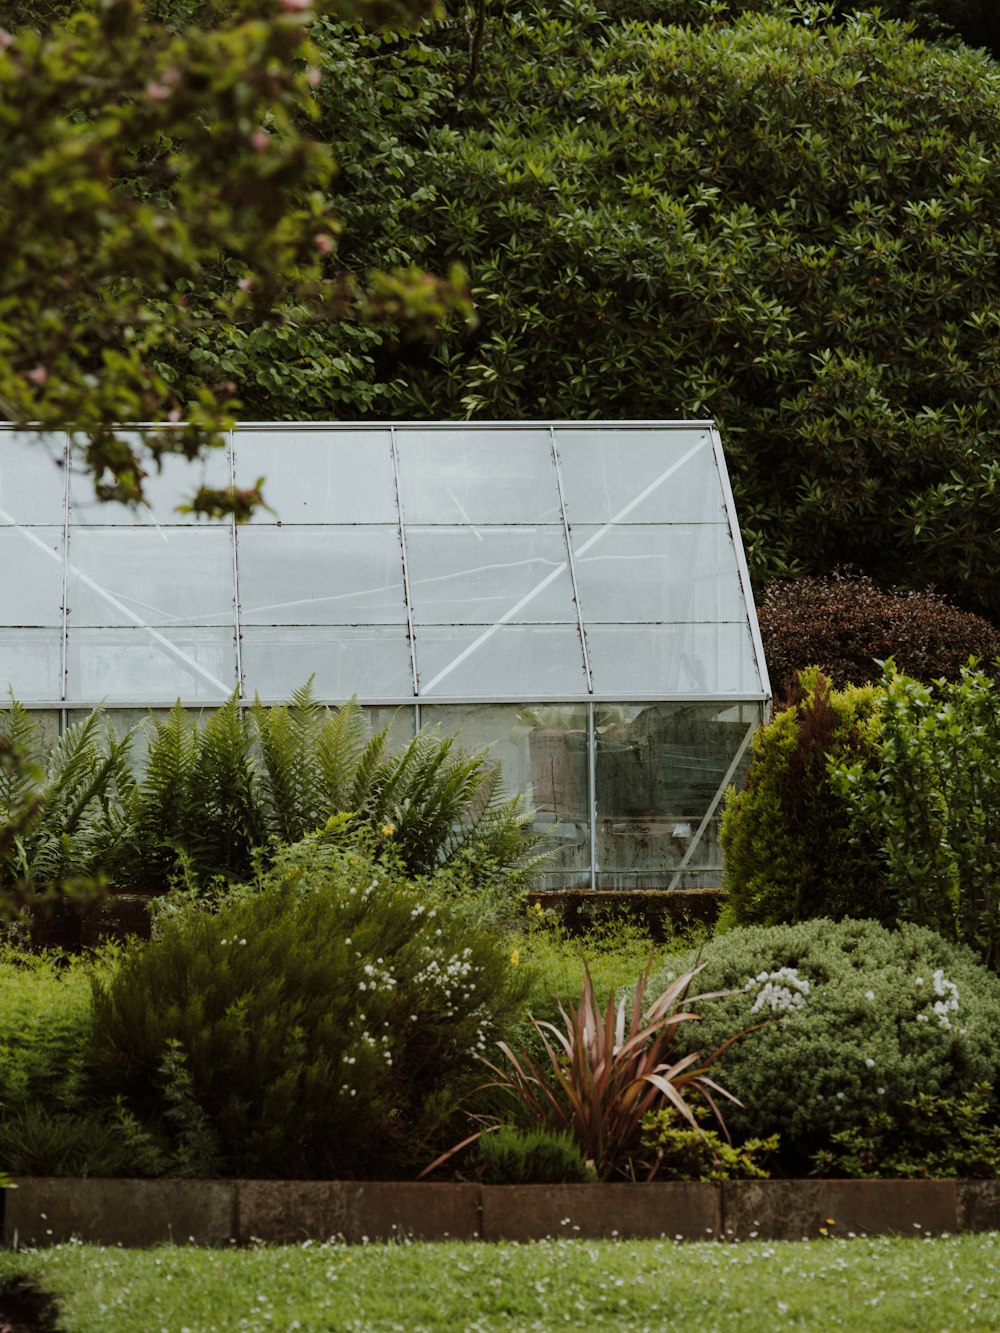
point(946, 1284)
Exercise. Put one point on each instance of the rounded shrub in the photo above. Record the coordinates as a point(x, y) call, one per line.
point(858, 1020)
point(320, 1024)
point(789, 850)
point(846, 625)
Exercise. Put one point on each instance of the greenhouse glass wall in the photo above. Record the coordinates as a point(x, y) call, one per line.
point(572, 595)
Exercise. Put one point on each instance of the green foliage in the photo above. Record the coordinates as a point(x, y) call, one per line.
point(218, 795)
point(684, 1153)
point(157, 180)
point(532, 1157)
point(787, 836)
point(60, 808)
point(44, 1027)
point(321, 1026)
point(789, 227)
point(601, 1073)
point(847, 626)
point(929, 1137)
point(864, 1025)
point(929, 796)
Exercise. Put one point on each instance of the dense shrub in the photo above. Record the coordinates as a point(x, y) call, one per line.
point(323, 1023)
point(929, 793)
point(790, 227)
point(846, 625)
point(790, 850)
point(865, 1020)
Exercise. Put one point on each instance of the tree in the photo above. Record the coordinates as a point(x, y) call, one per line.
point(155, 184)
point(791, 227)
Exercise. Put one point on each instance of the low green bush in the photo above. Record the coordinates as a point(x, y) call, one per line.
point(324, 1022)
point(859, 1020)
point(532, 1157)
point(790, 850)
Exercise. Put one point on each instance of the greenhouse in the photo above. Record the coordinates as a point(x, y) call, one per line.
point(572, 595)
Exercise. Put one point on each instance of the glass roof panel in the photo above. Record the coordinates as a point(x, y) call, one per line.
point(31, 663)
point(500, 661)
point(319, 476)
point(371, 662)
point(639, 476)
point(151, 576)
point(321, 576)
point(31, 590)
point(466, 575)
point(32, 478)
point(656, 572)
point(165, 488)
point(150, 665)
point(501, 475)
point(650, 661)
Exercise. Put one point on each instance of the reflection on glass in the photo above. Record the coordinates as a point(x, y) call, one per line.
point(32, 477)
point(661, 771)
point(371, 662)
point(321, 576)
point(650, 572)
point(466, 576)
point(543, 752)
point(150, 576)
point(31, 664)
point(153, 666)
point(473, 476)
point(319, 476)
point(165, 488)
point(31, 576)
point(650, 661)
point(639, 476)
point(483, 661)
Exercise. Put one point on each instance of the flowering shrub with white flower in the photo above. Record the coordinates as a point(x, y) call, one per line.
point(326, 1018)
point(857, 1020)
point(781, 991)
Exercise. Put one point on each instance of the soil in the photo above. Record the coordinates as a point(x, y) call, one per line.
point(25, 1308)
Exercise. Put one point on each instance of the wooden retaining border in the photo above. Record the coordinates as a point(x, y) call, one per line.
point(140, 1213)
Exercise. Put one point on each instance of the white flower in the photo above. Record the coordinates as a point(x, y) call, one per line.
point(870, 1062)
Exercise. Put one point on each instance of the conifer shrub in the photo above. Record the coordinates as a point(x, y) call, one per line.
point(847, 626)
point(859, 1021)
point(324, 1021)
point(790, 851)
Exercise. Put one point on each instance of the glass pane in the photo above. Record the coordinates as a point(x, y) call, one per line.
point(466, 576)
point(321, 576)
point(477, 476)
point(658, 660)
point(31, 664)
point(660, 771)
point(371, 663)
point(32, 477)
point(31, 589)
point(543, 752)
point(319, 476)
point(655, 572)
point(173, 484)
point(505, 661)
point(642, 476)
point(47, 723)
point(151, 576)
point(151, 666)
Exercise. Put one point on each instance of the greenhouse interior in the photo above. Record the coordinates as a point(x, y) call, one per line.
point(573, 596)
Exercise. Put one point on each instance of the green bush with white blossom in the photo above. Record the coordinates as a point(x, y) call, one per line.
point(321, 1024)
point(858, 1020)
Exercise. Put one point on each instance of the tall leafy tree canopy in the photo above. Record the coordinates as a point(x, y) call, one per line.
point(785, 217)
point(159, 180)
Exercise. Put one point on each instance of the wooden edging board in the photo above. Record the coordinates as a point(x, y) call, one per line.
point(138, 1213)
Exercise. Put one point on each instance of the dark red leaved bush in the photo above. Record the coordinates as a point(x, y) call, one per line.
point(844, 624)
